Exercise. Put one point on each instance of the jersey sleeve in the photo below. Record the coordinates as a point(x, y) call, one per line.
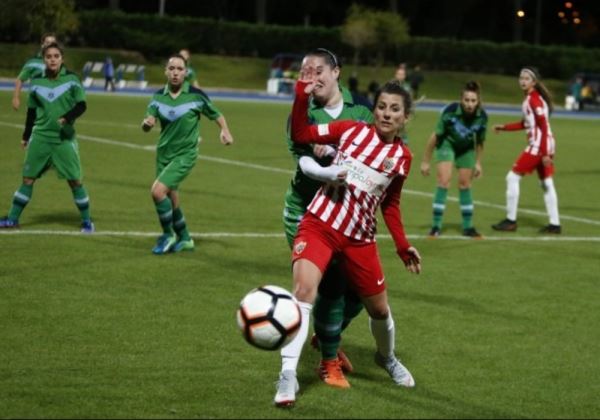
point(27, 72)
point(152, 109)
point(208, 109)
point(78, 91)
point(303, 132)
point(390, 208)
point(514, 126)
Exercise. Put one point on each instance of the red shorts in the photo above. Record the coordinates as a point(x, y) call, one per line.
point(527, 163)
point(319, 243)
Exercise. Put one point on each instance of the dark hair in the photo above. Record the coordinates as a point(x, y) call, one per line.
point(393, 87)
point(540, 87)
point(472, 86)
point(176, 55)
point(46, 35)
point(329, 57)
point(53, 45)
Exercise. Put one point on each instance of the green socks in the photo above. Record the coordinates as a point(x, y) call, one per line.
point(164, 209)
point(82, 201)
point(179, 225)
point(465, 199)
point(20, 200)
point(439, 205)
point(328, 318)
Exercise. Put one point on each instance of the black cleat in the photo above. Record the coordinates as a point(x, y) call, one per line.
point(472, 233)
point(505, 225)
point(435, 232)
point(555, 229)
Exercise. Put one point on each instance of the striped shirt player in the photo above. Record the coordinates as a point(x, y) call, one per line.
point(55, 101)
point(538, 154)
point(340, 220)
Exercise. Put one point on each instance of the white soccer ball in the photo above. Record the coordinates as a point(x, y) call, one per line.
point(269, 317)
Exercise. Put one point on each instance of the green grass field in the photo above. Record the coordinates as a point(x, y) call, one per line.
point(98, 327)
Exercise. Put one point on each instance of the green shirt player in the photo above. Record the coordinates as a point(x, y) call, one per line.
point(190, 75)
point(55, 101)
point(458, 141)
point(333, 309)
point(34, 67)
point(178, 107)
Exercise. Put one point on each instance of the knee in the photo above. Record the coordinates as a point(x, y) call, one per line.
point(28, 181)
point(547, 184)
point(512, 177)
point(379, 311)
point(74, 183)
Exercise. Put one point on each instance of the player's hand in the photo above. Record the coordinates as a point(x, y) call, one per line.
point(16, 103)
point(498, 128)
point(413, 264)
point(310, 87)
point(62, 121)
point(478, 171)
point(547, 160)
point(341, 177)
point(24, 144)
point(226, 137)
point(322, 150)
point(425, 168)
point(148, 123)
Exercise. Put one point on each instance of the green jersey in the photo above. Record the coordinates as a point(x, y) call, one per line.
point(179, 118)
point(190, 75)
point(460, 131)
point(52, 99)
point(302, 188)
point(34, 67)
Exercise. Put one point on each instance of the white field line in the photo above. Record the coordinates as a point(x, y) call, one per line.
point(259, 235)
point(287, 171)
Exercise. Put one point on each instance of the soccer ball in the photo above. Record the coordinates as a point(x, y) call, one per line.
point(269, 317)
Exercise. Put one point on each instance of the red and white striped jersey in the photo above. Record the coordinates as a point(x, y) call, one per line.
point(372, 166)
point(536, 122)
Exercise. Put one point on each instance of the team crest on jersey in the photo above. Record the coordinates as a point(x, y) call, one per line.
point(389, 163)
point(299, 247)
point(50, 95)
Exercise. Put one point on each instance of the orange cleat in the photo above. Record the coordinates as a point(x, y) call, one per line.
point(345, 362)
point(330, 372)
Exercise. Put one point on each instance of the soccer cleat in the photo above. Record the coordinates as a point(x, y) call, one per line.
point(435, 232)
point(6, 223)
point(164, 244)
point(555, 229)
point(287, 386)
point(396, 370)
point(345, 362)
point(505, 225)
point(330, 372)
point(87, 227)
point(183, 245)
point(472, 233)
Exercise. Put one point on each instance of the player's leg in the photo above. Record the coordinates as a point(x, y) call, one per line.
point(525, 164)
point(466, 164)
point(66, 161)
point(366, 276)
point(37, 160)
point(550, 199)
point(444, 156)
point(179, 170)
point(312, 251)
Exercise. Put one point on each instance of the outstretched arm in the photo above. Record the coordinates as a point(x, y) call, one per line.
point(426, 162)
point(225, 136)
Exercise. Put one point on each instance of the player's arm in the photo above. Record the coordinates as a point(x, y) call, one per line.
point(16, 99)
point(513, 126)
point(29, 121)
point(149, 120)
point(75, 112)
point(480, 139)
point(225, 136)
point(427, 154)
point(302, 131)
point(332, 173)
point(390, 208)
point(542, 124)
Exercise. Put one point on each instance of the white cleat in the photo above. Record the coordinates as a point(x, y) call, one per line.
point(396, 370)
point(287, 386)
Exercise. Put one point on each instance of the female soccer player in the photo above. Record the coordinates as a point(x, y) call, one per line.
point(537, 156)
point(341, 218)
point(55, 101)
point(178, 106)
point(458, 140)
point(333, 309)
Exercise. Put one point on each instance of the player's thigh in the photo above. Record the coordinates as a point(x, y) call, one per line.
point(444, 153)
point(65, 159)
point(526, 163)
point(316, 242)
point(466, 160)
point(37, 159)
point(362, 267)
point(176, 170)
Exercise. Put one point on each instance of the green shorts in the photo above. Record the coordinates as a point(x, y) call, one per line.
point(172, 172)
point(63, 156)
point(464, 159)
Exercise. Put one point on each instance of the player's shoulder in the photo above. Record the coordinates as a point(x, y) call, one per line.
point(450, 109)
point(199, 92)
point(71, 75)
